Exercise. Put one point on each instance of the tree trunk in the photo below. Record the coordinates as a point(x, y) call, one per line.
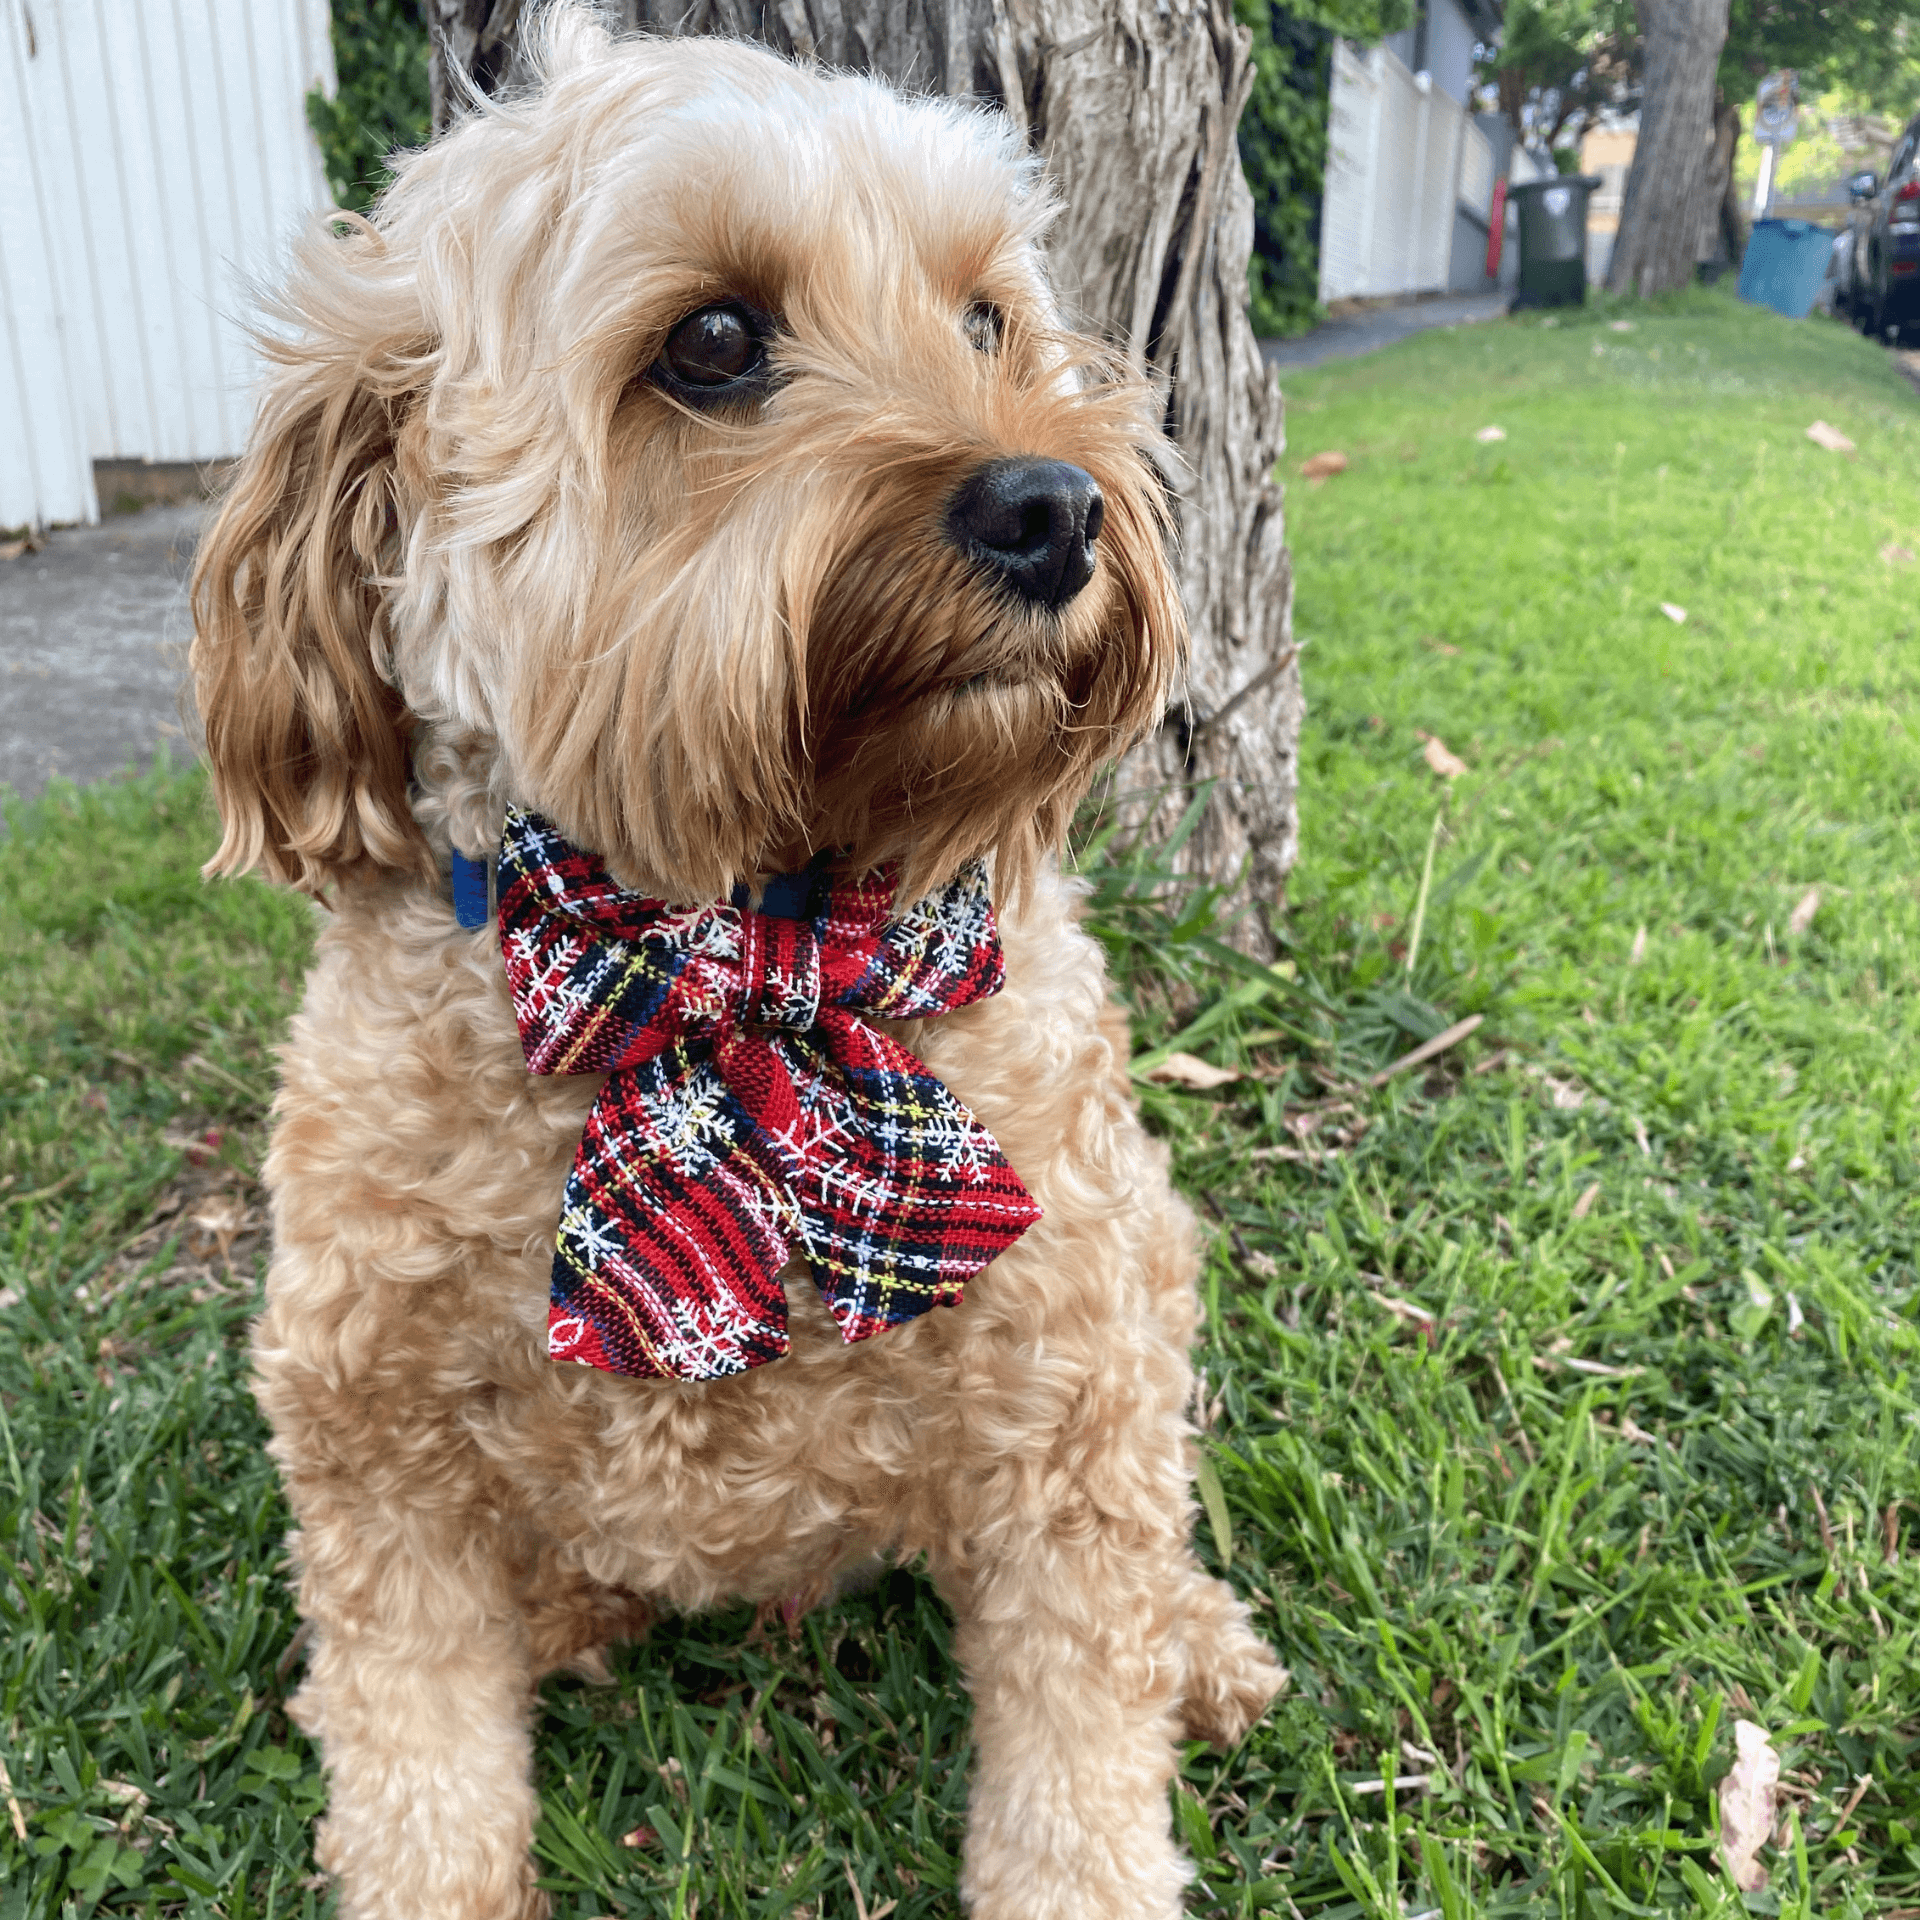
point(1729, 222)
point(1134, 104)
point(1671, 185)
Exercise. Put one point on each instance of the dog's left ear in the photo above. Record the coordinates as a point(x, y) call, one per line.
point(307, 738)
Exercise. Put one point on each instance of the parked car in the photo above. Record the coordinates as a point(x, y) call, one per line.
point(1881, 290)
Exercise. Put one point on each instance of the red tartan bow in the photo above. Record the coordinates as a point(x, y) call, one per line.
point(749, 1111)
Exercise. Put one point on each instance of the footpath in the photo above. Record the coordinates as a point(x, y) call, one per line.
point(93, 647)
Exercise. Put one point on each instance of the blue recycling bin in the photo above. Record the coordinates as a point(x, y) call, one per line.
point(1785, 264)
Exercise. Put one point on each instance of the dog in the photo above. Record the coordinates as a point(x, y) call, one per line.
point(687, 465)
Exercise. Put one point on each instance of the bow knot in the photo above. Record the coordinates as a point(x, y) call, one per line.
point(779, 973)
point(750, 1112)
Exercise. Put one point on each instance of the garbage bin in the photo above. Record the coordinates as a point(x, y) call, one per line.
point(1785, 264)
point(1553, 240)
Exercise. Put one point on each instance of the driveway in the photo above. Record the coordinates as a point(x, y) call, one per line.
point(1359, 333)
point(93, 641)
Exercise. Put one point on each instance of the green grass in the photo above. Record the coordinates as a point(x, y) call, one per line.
point(1613, 1471)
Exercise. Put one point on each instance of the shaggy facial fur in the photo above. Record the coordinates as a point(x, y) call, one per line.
point(490, 542)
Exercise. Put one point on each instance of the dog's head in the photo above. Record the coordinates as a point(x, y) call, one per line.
point(700, 435)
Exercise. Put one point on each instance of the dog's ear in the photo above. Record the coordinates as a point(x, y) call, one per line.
point(306, 736)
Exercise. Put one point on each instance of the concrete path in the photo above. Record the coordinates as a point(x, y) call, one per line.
point(1381, 327)
point(93, 643)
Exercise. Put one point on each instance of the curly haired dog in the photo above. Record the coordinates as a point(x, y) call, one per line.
point(692, 451)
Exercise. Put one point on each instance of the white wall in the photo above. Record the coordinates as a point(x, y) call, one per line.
point(1401, 155)
point(156, 158)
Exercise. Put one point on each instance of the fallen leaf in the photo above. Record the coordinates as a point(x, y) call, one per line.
point(1447, 764)
point(1678, 615)
point(1620, 326)
point(1801, 918)
point(1488, 435)
point(1892, 553)
point(1631, 1429)
point(1563, 1093)
point(1323, 466)
point(1831, 438)
point(1185, 1070)
point(1437, 645)
point(1746, 1805)
point(1639, 951)
point(1584, 1205)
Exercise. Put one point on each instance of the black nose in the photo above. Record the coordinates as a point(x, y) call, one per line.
point(1033, 523)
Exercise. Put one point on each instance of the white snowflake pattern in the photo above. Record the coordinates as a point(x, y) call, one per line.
point(795, 1001)
point(958, 1147)
point(942, 932)
point(708, 1337)
point(688, 1118)
point(710, 931)
point(591, 1239)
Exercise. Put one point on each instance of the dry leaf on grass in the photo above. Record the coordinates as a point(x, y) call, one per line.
point(1584, 1205)
point(1678, 615)
point(1565, 1095)
point(1746, 1805)
point(1639, 951)
point(1620, 326)
point(1831, 438)
point(1446, 763)
point(1323, 466)
point(1896, 555)
point(1437, 645)
point(1801, 918)
point(1186, 1070)
point(1488, 435)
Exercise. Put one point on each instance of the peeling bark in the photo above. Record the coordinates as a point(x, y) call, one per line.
point(1134, 106)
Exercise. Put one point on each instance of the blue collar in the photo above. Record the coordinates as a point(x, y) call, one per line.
point(472, 890)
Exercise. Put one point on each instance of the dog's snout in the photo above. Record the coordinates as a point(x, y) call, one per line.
point(1033, 523)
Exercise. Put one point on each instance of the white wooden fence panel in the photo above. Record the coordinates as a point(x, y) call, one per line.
point(1400, 154)
point(167, 142)
point(42, 442)
point(1345, 200)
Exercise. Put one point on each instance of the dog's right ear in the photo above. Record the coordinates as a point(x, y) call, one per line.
point(306, 735)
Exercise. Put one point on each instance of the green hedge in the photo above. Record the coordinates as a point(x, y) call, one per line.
point(380, 57)
point(1283, 143)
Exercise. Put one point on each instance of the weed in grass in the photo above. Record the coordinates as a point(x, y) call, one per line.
point(1557, 1391)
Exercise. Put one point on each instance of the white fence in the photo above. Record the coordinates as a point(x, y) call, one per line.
point(1401, 156)
point(156, 157)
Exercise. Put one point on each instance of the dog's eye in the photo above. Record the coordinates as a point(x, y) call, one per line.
point(714, 347)
point(984, 324)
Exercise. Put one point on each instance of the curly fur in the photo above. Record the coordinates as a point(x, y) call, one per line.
point(473, 554)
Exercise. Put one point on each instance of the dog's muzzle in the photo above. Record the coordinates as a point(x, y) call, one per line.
point(1031, 524)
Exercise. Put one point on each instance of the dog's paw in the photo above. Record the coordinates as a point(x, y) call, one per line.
point(1231, 1684)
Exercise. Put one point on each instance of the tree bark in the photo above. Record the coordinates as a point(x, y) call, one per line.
point(1671, 185)
point(1728, 221)
point(1134, 106)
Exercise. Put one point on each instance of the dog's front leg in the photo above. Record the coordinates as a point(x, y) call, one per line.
point(417, 1691)
point(1067, 1634)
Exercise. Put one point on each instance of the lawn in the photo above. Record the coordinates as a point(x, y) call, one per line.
point(1558, 1391)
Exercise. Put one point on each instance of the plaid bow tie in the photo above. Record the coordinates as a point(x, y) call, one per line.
point(750, 1112)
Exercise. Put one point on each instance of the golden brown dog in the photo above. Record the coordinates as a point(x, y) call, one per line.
point(647, 460)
